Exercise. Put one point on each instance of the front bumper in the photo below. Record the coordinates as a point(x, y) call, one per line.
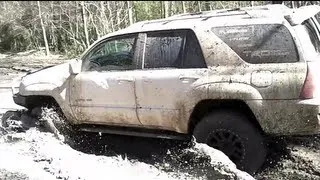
point(20, 100)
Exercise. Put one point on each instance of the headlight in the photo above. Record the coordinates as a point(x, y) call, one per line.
point(15, 85)
point(15, 90)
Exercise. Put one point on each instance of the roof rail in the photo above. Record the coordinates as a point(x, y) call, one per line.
point(205, 15)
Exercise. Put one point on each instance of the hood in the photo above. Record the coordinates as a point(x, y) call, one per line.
point(55, 75)
point(46, 67)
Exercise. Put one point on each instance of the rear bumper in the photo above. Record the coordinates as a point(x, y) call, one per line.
point(313, 117)
point(287, 117)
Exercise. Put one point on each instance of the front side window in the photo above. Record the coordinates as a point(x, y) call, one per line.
point(260, 43)
point(173, 49)
point(115, 54)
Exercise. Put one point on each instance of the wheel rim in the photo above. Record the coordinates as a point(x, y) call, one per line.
point(229, 143)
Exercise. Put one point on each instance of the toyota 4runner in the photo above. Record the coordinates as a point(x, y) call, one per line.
point(226, 77)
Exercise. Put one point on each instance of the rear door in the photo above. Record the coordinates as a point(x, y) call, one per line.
point(173, 63)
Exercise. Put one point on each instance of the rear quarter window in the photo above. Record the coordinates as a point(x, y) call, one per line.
point(260, 43)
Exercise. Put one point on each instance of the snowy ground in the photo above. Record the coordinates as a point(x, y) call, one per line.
point(36, 154)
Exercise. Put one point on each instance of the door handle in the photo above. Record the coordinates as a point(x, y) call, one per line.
point(188, 79)
point(125, 80)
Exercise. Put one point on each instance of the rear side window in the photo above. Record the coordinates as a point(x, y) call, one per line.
point(313, 34)
point(260, 43)
point(173, 49)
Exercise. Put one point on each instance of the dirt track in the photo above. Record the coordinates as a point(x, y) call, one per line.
point(291, 158)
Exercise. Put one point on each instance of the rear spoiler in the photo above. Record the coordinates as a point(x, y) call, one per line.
point(301, 14)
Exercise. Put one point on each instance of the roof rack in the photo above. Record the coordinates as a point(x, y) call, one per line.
point(205, 15)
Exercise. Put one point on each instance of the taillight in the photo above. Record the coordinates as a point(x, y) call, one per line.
point(309, 86)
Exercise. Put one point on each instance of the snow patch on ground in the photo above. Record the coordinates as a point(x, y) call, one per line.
point(39, 155)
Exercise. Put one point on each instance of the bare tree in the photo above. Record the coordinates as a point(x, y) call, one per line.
point(184, 7)
point(130, 12)
point(84, 17)
point(43, 30)
point(166, 9)
point(199, 6)
point(293, 4)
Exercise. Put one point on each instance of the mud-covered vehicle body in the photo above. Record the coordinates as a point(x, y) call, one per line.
point(227, 77)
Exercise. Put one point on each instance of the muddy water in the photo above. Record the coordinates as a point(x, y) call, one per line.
point(293, 158)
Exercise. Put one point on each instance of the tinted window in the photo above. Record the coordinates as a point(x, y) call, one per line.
point(163, 50)
point(175, 49)
point(193, 54)
point(261, 43)
point(116, 54)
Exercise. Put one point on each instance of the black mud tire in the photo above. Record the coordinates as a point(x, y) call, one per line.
point(11, 120)
point(232, 133)
point(10, 115)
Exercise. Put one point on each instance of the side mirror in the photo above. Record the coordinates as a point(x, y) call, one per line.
point(74, 68)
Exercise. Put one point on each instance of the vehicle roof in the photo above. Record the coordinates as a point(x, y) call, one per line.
point(273, 13)
point(268, 13)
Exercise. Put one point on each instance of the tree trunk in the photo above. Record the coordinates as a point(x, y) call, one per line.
point(169, 8)
point(52, 27)
point(110, 15)
point(207, 5)
point(292, 4)
point(252, 3)
point(199, 6)
point(77, 21)
point(130, 12)
point(166, 9)
point(43, 31)
point(184, 7)
point(173, 8)
point(84, 17)
point(118, 16)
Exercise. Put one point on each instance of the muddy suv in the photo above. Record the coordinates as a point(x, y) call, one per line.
point(228, 78)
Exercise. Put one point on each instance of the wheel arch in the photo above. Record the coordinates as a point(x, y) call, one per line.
point(40, 100)
point(204, 107)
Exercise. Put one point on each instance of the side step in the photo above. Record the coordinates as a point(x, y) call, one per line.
point(134, 132)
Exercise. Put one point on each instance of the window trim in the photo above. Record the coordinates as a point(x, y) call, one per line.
point(185, 31)
point(315, 33)
point(123, 36)
point(315, 24)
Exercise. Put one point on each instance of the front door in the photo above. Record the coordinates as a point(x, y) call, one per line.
point(104, 92)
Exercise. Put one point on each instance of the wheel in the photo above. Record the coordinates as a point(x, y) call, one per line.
point(11, 120)
point(233, 134)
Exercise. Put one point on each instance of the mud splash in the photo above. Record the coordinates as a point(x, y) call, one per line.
point(38, 154)
point(293, 158)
